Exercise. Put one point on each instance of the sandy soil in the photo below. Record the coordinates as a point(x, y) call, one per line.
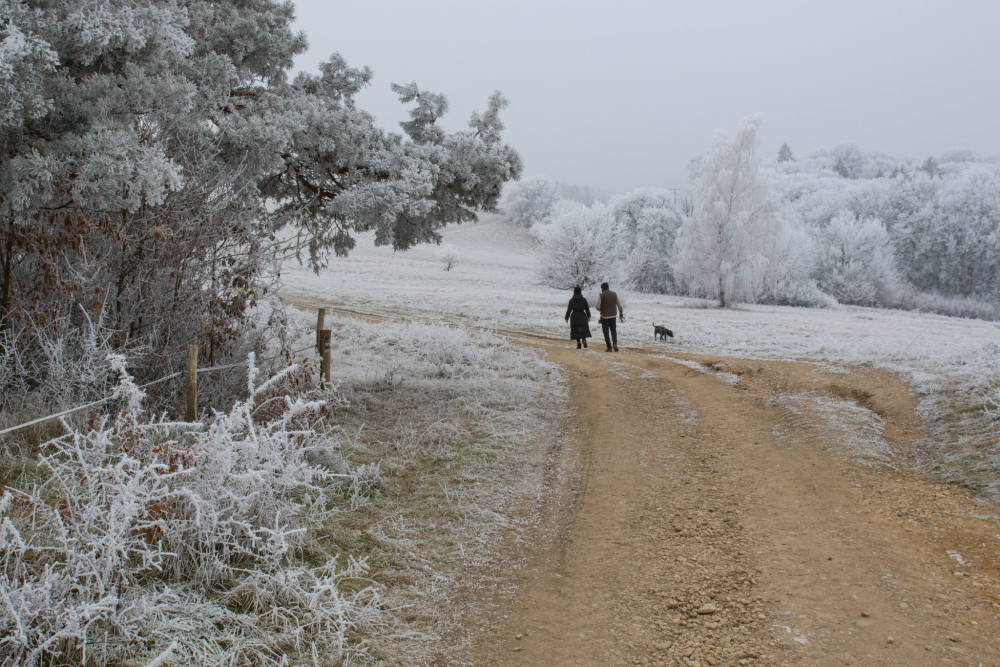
point(718, 518)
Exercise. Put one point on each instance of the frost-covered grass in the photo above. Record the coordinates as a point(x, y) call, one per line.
point(140, 538)
point(320, 527)
point(850, 432)
point(449, 416)
point(949, 361)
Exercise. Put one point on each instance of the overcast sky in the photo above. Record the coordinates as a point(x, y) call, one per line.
point(623, 94)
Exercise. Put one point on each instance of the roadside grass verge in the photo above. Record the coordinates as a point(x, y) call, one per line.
point(964, 419)
point(454, 422)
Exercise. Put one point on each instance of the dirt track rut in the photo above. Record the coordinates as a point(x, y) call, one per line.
point(726, 518)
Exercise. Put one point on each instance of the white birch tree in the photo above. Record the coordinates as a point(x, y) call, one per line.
point(722, 245)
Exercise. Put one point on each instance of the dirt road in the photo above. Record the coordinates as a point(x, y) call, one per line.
point(727, 512)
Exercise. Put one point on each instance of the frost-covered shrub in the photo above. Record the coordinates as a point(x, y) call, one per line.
point(67, 366)
point(145, 539)
point(791, 254)
point(366, 482)
point(448, 256)
point(855, 261)
point(953, 306)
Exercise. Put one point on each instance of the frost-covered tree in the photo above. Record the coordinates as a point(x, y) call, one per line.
point(643, 227)
point(721, 247)
point(118, 194)
point(940, 215)
point(791, 258)
point(850, 161)
point(340, 174)
point(855, 261)
point(529, 201)
point(576, 246)
point(152, 152)
point(785, 153)
point(930, 167)
point(966, 236)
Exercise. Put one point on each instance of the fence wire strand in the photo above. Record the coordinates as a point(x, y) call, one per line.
point(166, 378)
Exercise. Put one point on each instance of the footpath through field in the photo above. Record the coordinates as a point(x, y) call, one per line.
point(754, 514)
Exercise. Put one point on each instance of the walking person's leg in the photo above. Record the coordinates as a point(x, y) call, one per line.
point(614, 334)
point(605, 325)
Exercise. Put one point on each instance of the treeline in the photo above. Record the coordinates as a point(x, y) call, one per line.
point(158, 160)
point(837, 226)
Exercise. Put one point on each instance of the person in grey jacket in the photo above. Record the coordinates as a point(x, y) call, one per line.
point(609, 308)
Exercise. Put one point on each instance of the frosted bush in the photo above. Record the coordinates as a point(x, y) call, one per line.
point(66, 366)
point(448, 257)
point(855, 261)
point(150, 540)
point(366, 482)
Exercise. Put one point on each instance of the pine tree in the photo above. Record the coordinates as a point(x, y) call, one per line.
point(151, 151)
point(785, 153)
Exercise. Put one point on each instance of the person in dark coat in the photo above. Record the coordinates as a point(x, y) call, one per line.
point(578, 316)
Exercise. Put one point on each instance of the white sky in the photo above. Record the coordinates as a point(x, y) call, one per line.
point(623, 94)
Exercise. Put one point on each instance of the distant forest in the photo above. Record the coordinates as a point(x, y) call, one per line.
point(838, 226)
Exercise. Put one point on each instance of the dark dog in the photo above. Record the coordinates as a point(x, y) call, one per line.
point(661, 332)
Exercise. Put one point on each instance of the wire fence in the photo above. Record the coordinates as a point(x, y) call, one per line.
point(161, 380)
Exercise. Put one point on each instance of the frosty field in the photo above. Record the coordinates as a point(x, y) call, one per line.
point(951, 362)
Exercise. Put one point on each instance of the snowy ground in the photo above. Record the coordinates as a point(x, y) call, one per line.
point(950, 361)
point(494, 285)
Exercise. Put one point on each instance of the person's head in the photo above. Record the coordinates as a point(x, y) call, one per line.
point(577, 290)
point(604, 287)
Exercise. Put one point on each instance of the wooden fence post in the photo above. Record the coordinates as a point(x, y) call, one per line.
point(324, 369)
point(319, 329)
point(192, 383)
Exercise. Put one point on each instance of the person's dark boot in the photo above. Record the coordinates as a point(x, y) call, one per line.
point(578, 346)
point(585, 342)
point(616, 348)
